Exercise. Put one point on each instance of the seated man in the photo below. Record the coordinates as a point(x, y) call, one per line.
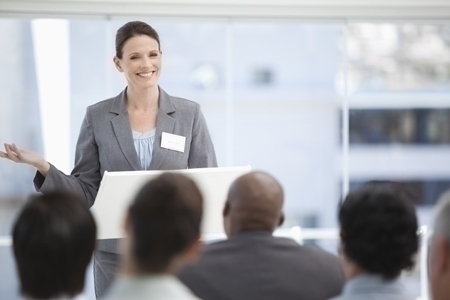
point(163, 230)
point(440, 251)
point(252, 263)
point(379, 240)
point(53, 241)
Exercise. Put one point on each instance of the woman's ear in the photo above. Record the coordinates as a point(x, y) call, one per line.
point(117, 63)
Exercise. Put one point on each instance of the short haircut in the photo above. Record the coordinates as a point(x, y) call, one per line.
point(53, 241)
point(442, 219)
point(379, 230)
point(132, 29)
point(165, 219)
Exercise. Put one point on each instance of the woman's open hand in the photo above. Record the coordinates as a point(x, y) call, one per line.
point(18, 155)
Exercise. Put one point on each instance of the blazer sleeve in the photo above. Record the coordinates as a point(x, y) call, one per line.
point(85, 177)
point(202, 154)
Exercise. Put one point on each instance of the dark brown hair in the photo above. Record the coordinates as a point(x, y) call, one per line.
point(165, 219)
point(132, 29)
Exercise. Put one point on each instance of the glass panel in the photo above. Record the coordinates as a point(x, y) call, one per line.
point(388, 57)
point(400, 126)
point(20, 123)
point(285, 113)
point(281, 60)
point(19, 113)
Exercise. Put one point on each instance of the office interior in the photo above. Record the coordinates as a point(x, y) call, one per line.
point(323, 95)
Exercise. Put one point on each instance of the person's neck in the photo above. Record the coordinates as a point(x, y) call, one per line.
point(351, 269)
point(132, 269)
point(142, 100)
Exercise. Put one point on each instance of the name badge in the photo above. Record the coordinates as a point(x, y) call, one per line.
point(173, 142)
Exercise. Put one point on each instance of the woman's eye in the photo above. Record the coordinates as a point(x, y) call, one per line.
point(153, 54)
point(133, 57)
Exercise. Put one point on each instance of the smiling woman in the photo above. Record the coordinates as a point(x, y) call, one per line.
point(124, 133)
point(139, 59)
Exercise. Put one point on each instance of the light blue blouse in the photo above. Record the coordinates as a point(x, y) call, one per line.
point(373, 287)
point(143, 143)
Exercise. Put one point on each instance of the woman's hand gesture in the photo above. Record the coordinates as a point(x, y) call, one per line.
point(18, 155)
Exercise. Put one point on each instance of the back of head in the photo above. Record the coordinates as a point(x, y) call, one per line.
point(254, 202)
point(53, 240)
point(164, 220)
point(379, 230)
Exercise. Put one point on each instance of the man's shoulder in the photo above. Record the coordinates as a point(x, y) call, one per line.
point(218, 246)
point(272, 248)
point(248, 242)
point(253, 238)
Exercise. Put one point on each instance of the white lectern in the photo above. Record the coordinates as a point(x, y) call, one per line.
point(118, 189)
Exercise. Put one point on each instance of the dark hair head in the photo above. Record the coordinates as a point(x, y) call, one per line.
point(379, 230)
point(53, 240)
point(132, 29)
point(164, 220)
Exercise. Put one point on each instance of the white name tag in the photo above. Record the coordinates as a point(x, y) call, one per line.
point(173, 142)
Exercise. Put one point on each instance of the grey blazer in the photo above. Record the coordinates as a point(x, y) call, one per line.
point(106, 143)
point(257, 265)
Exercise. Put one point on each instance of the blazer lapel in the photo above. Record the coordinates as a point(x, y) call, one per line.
point(122, 130)
point(164, 123)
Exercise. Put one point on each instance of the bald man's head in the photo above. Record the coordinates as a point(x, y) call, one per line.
point(254, 202)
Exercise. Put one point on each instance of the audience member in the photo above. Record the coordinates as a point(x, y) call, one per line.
point(252, 263)
point(378, 240)
point(439, 262)
point(163, 230)
point(53, 241)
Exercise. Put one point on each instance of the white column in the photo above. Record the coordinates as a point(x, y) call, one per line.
point(51, 54)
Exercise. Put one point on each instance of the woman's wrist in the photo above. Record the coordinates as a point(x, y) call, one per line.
point(43, 167)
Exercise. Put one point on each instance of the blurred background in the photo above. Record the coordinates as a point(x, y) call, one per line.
point(324, 102)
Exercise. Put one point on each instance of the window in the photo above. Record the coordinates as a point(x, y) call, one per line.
point(272, 93)
point(400, 126)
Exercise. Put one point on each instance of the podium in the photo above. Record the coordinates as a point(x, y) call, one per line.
point(118, 189)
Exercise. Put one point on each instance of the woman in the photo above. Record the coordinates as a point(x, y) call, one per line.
point(143, 128)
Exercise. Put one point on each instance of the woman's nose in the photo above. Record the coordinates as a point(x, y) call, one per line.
point(145, 62)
